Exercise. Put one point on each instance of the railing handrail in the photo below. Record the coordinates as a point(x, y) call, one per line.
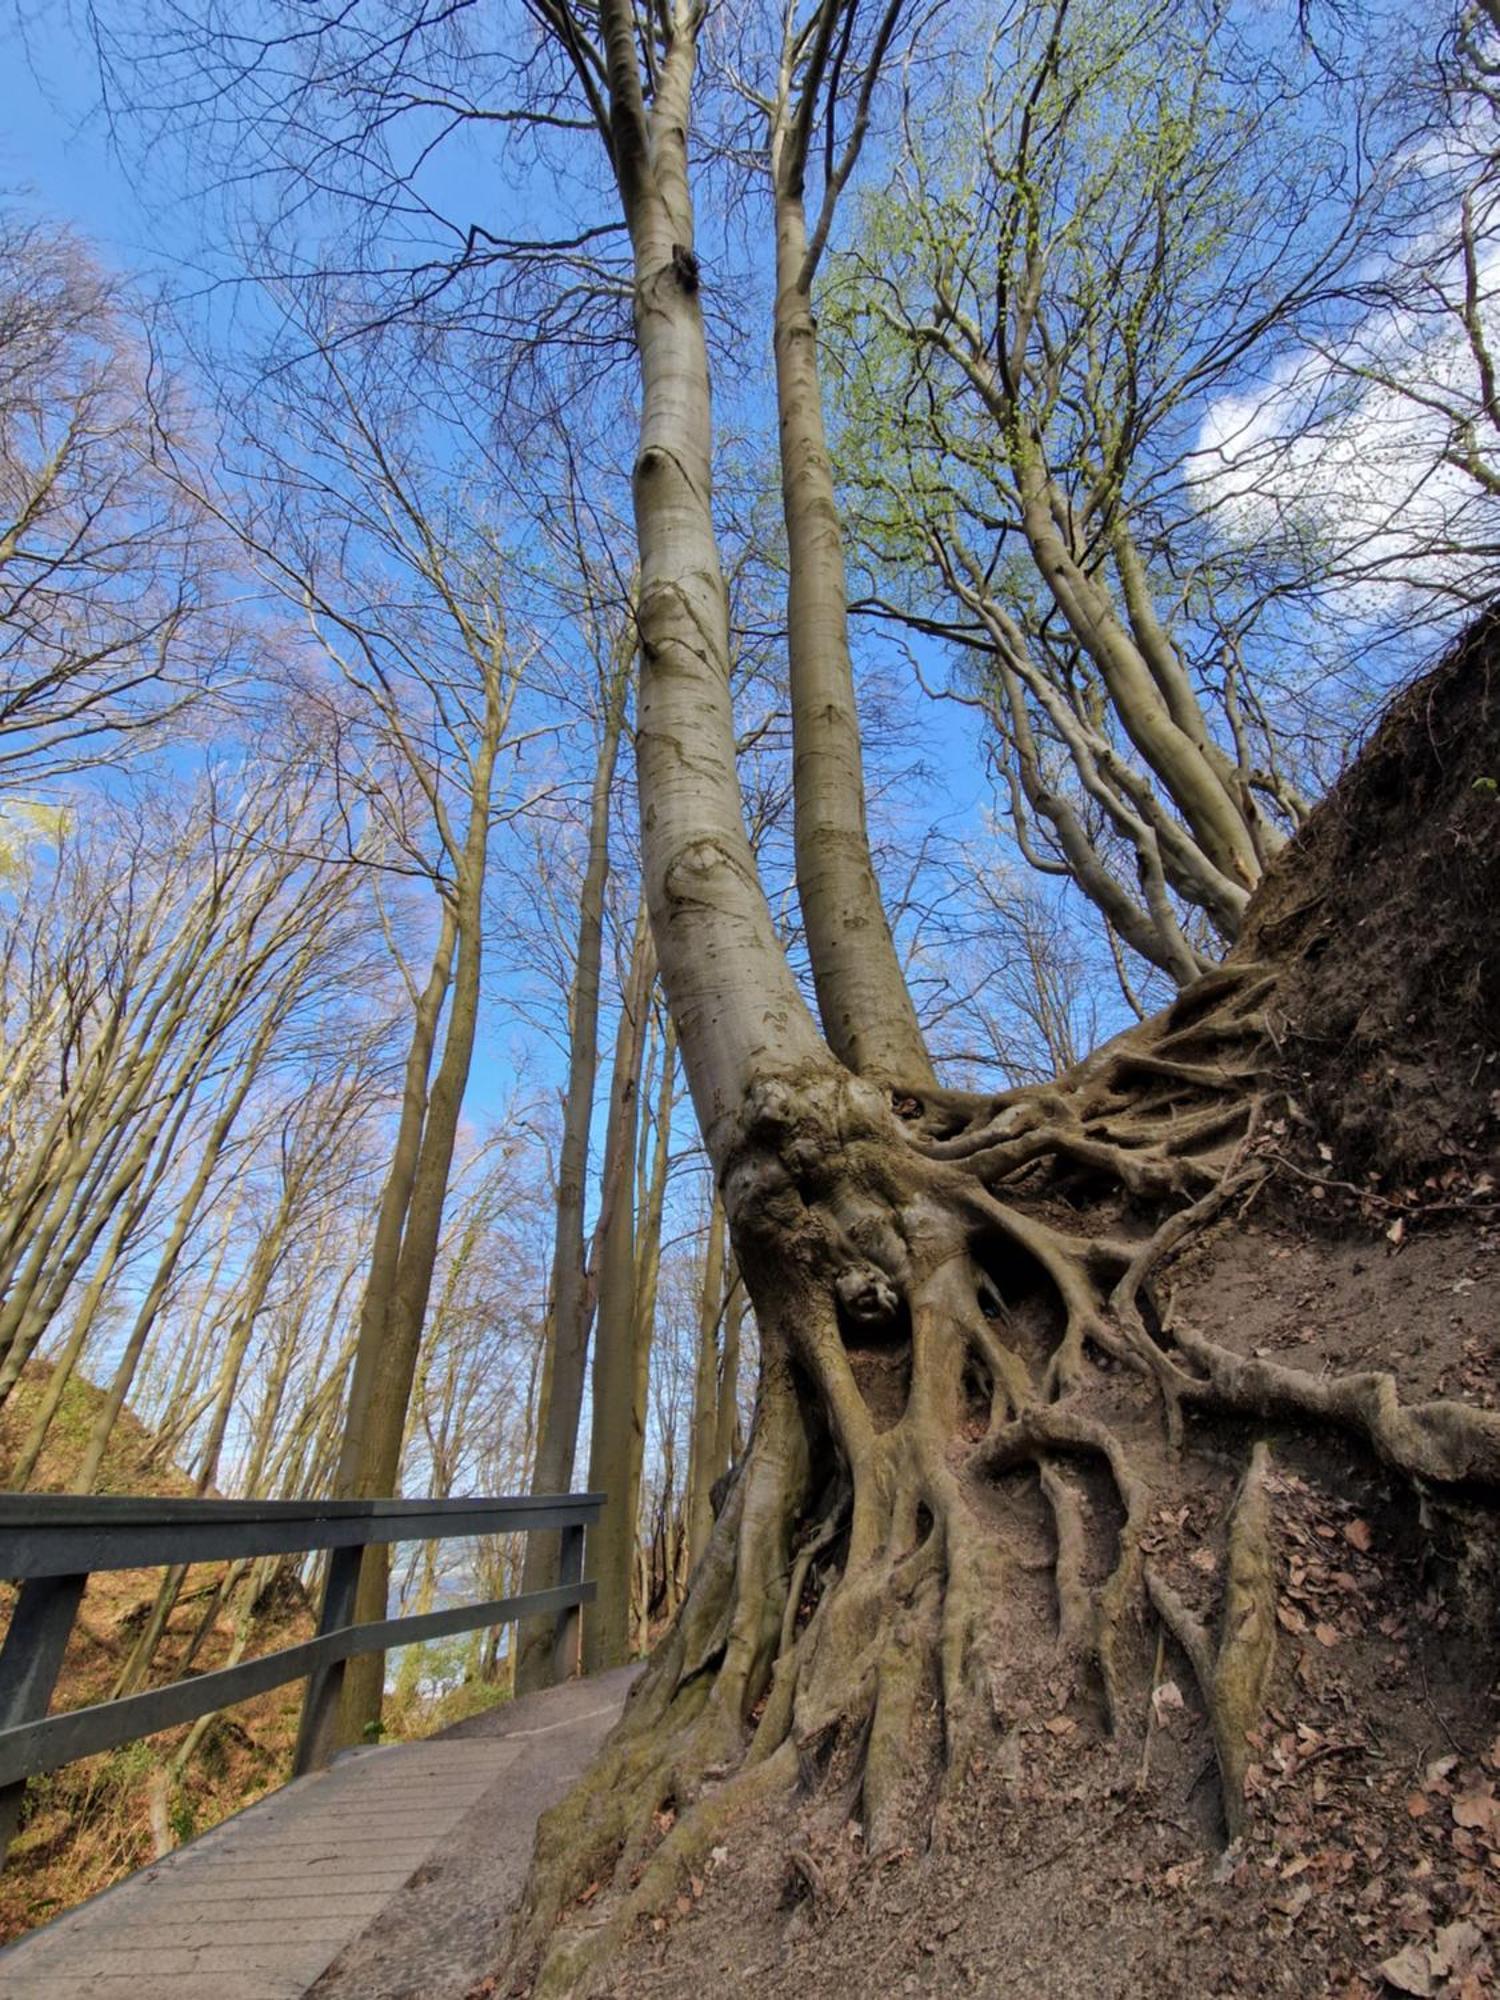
point(62, 1534)
point(47, 1509)
point(51, 1542)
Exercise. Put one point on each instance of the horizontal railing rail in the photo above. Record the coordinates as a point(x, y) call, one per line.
point(51, 1543)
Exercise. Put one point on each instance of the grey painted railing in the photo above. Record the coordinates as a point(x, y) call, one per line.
point(49, 1544)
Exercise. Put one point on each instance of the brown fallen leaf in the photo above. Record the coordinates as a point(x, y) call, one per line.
point(1458, 1944)
point(1410, 1971)
point(1059, 1725)
point(1326, 1635)
point(1167, 1695)
point(1290, 1618)
point(1478, 1810)
point(1417, 1806)
point(1358, 1535)
point(1182, 1872)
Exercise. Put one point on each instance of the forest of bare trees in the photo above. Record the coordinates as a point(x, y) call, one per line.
point(645, 686)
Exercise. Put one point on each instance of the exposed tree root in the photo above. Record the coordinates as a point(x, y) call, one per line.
point(1233, 1684)
point(848, 1621)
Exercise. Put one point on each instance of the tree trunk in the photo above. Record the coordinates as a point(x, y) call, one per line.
point(611, 1545)
point(384, 1364)
point(863, 1000)
point(727, 1438)
point(842, 1604)
point(570, 1300)
point(647, 1275)
point(705, 1419)
point(606, 1633)
point(156, 1291)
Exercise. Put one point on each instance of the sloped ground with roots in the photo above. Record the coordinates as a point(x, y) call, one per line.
point(1106, 1601)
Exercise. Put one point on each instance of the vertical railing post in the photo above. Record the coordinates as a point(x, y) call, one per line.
point(29, 1663)
point(569, 1626)
point(317, 1737)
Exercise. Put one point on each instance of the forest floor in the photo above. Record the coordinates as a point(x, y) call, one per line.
point(1063, 1862)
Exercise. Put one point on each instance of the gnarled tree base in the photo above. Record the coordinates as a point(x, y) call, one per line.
point(965, 1360)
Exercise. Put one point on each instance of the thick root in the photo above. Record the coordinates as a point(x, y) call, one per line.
point(1233, 1685)
point(1444, 1441)
point(1247, 1637)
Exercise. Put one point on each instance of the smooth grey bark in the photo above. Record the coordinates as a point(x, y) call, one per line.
point(863, 1000)
point(703, 1431)
point(738, 1012)
point(386, 1355)
point(611, 1544)
point(570, 1293)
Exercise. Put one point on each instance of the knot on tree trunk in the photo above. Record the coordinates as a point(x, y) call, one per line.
point(867, 1295)
point(685, 267)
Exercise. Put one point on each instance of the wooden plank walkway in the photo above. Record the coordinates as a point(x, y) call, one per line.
point(263, 1905)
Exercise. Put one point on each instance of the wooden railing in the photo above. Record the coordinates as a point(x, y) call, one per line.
point(49, 1544)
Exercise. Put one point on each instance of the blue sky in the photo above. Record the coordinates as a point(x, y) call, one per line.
point(56, 156)
point(55, 148)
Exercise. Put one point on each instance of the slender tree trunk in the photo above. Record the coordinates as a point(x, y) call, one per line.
point(381, 1390)
point(727, 1440)
point(395, 1195)
point(647, 1274)
point(1181, 760)
point(182, 1222)
point(863, 1000)
point(570, 1301)
point(704, 1430)
point(606, 1634)
point(177, 1414)
point(66, 1365)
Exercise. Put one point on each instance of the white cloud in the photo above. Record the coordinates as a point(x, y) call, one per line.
point(1345, 443)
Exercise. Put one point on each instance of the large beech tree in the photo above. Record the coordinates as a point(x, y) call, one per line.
point(851, 1578)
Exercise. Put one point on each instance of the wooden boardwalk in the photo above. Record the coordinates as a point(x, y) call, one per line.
point(262, 1907)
